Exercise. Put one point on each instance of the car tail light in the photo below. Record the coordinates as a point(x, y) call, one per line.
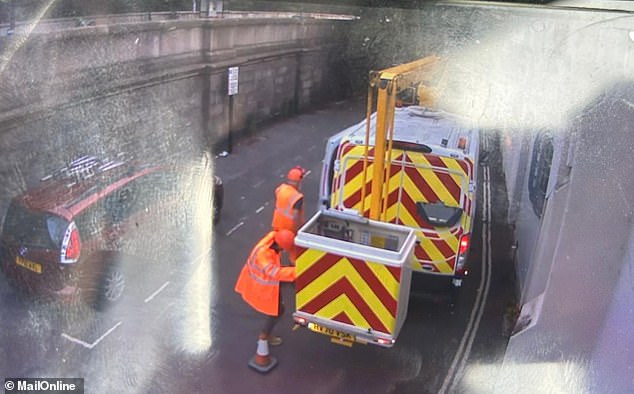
point(71, 245)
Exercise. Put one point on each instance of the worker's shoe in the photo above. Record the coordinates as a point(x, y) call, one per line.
point(275, 341)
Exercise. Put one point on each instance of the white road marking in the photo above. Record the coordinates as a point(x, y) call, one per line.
point(624, 196)
point(487, 252)
point(462, 355)
point(258, 184)
point(234, 228)
point(91, 345)
point(259, 209)
point(307, 173)
point(156, 292)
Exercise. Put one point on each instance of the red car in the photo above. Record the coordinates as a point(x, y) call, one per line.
point(63, 238)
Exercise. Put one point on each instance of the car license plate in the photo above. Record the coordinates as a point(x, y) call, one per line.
point(22, 262)
point(331, 332)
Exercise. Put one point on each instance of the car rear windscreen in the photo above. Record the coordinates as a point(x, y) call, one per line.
point(33, 229)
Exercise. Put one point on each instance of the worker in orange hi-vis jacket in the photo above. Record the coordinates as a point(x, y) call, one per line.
point(289, 205)
point(259, 280)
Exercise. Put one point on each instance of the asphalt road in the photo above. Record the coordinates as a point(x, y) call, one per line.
point(184, 330)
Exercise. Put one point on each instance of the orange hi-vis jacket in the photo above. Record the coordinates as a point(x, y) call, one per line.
point(259, 280)
point(286, 216)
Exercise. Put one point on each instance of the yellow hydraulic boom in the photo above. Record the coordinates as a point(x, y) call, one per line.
point(403, 84)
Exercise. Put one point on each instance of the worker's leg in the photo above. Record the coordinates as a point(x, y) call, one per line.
point(271, 321)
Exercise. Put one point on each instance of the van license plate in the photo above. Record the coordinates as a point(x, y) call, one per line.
point(330, 332)
point(22, 262)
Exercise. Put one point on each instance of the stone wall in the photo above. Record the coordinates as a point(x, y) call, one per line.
point(157, 90)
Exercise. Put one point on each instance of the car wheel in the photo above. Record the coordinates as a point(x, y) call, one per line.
point(111, 286)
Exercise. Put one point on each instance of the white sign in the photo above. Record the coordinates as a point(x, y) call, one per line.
point(233, 81)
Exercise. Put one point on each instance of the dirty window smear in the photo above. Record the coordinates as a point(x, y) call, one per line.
point(457, 175)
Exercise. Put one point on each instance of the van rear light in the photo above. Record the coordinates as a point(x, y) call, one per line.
point(386, 342)
point(464, 244)
point(461, 258)
point(71, 245)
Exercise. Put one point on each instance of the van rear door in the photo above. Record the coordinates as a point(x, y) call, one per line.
point(426, 192)
point(436, 200)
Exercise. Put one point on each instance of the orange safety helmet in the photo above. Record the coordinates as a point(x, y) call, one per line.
point(285, 239)
point(296, 174)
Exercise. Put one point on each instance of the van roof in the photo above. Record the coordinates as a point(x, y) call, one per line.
point(439, 130)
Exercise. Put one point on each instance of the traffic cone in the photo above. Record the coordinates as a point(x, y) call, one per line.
point(262, 361)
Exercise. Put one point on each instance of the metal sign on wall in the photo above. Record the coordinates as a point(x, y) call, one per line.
point(233, 81)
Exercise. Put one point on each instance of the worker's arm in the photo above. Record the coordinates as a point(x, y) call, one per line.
point(282, 274)
point(298, 213)
point(276, 271)
point(286, 274)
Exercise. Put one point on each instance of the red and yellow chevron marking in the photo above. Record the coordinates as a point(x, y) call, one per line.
point(347, 290)
point(436, 255)
point(413, 177)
